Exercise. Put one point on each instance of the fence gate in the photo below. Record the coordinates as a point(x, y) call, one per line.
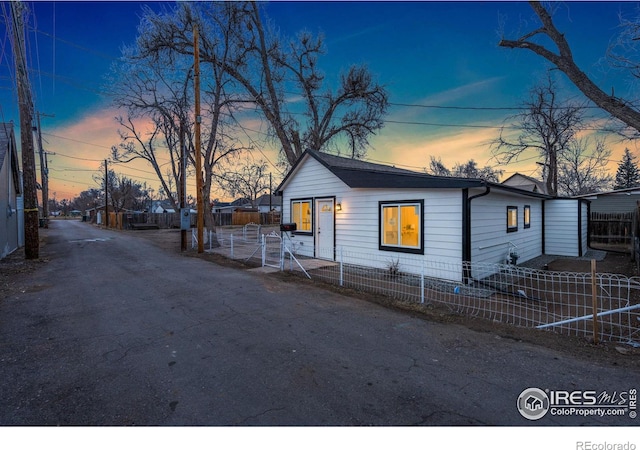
point(272, 250)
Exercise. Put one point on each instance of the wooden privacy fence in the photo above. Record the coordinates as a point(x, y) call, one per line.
point(129, 220)
point(612, 228)
point(243, 218)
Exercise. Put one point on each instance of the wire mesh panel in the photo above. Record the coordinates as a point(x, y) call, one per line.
point(251, 232)
point(272, 250)
point(563, 302)
point(558, 301)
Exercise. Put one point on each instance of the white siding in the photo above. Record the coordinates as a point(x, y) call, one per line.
point(357, 225)
point(311, 180)
point(490, 241)
point(561, 227)
point(585, 228)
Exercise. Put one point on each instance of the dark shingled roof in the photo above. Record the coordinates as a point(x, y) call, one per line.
point(362, 174)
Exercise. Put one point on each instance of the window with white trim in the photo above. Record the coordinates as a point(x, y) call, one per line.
point(301, 215)
point(401, 226)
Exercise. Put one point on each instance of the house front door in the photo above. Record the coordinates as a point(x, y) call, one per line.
point(325, 232)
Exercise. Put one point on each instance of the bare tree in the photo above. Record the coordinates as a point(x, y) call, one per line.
point(88, 199)
point(165, 40)
point(583, 171)
point(469, 169)
point(248, 180)
point(354, 110)
point(124, 193)
point(562, 58)
point(437, 168)
point(155, 97)
point(546, 125)
point(271, 72)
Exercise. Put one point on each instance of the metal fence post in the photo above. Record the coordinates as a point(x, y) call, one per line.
point(264, 250)
point(422, 284)
point(231, 239)
point(594, 300)
point(341, 268)
point(282, 253)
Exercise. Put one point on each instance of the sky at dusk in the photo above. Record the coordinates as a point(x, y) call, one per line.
point(428, 55)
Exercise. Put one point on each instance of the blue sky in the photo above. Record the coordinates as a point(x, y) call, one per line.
point(425, 53)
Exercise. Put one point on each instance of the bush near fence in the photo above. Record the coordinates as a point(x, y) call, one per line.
point(520, 296)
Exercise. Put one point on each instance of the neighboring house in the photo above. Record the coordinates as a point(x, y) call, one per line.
point(267, 203)
point(618, 201)
point(526, 183)
point(161, 206)
point(11, 201)
point(386, 211)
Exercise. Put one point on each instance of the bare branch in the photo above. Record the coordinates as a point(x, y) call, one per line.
point(563, 60)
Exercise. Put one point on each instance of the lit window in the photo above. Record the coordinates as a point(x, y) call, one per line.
point(527, 216)
point(401, 226)
point(512, 219)
point(301, 215)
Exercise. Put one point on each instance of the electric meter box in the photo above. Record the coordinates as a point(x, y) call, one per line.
point(185, 218)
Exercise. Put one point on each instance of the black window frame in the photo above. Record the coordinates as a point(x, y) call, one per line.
point(527, 217)
point(399, 249)
point(299, 230)
point(512, 228)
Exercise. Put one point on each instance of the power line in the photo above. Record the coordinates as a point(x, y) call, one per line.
point(481, 108)
point(76, 140)
point(76, 157)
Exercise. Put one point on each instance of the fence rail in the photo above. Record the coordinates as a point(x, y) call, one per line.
point(558, 301)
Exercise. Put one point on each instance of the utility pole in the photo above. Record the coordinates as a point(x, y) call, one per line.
point(25, 105)
point(183, 184)
point(44, 173)
point(106, 192)
point(270, 194)
point(199, 181)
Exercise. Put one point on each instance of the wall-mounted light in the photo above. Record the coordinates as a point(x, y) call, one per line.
point(339, 207)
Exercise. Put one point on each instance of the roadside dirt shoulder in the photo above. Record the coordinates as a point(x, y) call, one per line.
point(609, 353)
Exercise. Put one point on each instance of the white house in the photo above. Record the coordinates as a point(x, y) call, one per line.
point(381, 210)
point(11, 201)
point(526, 183)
